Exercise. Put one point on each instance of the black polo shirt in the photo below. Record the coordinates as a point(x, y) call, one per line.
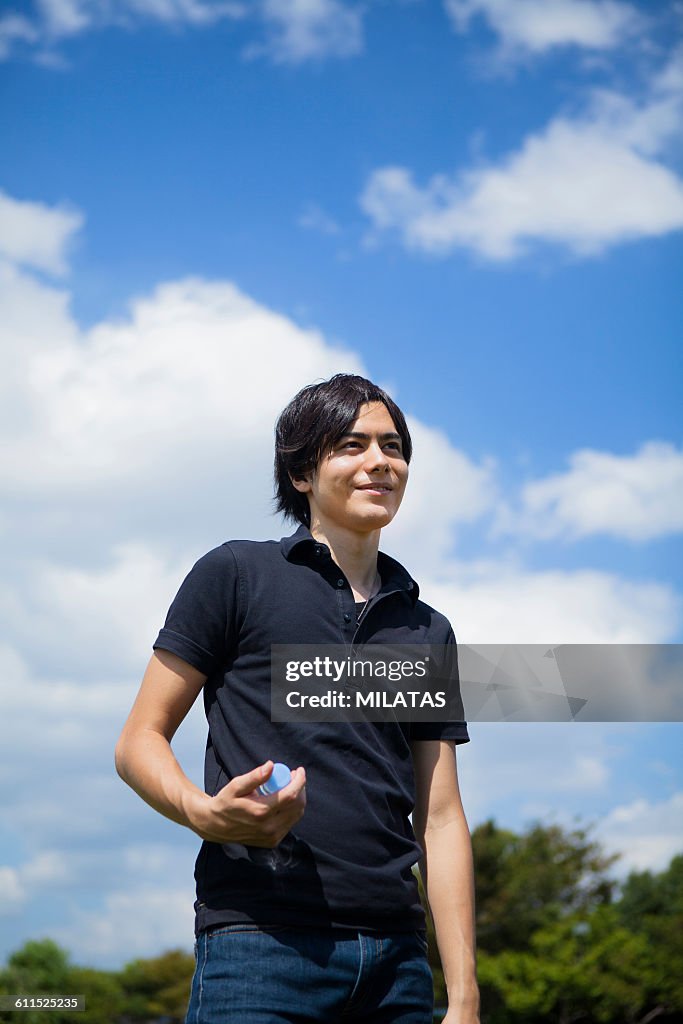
point(348, 862)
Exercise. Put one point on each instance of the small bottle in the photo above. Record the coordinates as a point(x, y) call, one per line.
point(279, 778)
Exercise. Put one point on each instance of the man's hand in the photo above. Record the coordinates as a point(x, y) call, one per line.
point(239, 814)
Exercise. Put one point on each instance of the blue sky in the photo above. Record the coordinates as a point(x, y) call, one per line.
point(204, 206)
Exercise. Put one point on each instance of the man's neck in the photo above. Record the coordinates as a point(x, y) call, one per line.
point(354, 553)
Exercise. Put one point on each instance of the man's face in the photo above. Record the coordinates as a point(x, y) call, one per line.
point(360, 484)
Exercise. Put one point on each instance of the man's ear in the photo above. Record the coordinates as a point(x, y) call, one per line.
point(301, 482)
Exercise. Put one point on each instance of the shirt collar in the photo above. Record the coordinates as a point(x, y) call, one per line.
point(394, 575)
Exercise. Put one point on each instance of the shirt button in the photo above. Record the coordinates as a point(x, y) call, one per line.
point(340, 583)
point(347, 617)
point(317, 550)
point(410, 585)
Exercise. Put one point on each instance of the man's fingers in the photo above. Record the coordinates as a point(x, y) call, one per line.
point(243, 815)
point(288, 803)
point(295, 785)
point(243, 785)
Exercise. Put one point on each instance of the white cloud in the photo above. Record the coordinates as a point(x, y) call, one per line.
point(136, 922)
point(66, 17)
point(190, 12)
point(646, 833)
point(572, 774)
point(47, 869)
point(97, 615)
point(670, 79)
point(56, 20)
point(638, 497)
point(35, 235)
point(18, 885)
point(539, 25)
point(550, 771)
point(585, 183)
point(69, 17)
point(498, 603)
point(571, 186)
point(182, 374)
point(75, 720)
point(35, 319)
point(589, 772)
point(12, 893)
point(295, 30)
point(15, 27)
point(300, 30)
point(314, 218)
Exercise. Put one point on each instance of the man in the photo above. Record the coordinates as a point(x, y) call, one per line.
point(307, 906)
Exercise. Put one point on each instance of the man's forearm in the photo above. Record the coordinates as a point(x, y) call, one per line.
point(145, 760)
point(449, 883)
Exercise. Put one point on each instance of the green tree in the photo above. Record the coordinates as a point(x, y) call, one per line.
point(41, 962)
point(43, 967)
point(526, 882)
point(582, 968)
point(104, 999)
point(40, 967)
point(651, 905)
point(606, 964)
point(645, 894)
point(158, 987)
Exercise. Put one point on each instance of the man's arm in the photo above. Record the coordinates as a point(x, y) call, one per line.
point(447, 872)
point(145, 760)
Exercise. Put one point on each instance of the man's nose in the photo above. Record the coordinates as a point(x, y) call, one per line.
point(376, 457)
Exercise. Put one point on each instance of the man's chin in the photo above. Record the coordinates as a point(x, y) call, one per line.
point(366, 520)
point(372, 520)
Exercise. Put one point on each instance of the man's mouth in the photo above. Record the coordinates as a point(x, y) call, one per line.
point(382, 488)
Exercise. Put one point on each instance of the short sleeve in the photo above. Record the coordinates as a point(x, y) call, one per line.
point(455, 729)
point(456, 732)
point(201, 625)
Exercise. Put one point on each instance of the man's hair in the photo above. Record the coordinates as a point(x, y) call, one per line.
point(307, 430)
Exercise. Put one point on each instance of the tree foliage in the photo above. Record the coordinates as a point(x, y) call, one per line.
point(144, 990)
point(529, 881)
point(557, 942)
point(651, 905)
point(581, 968)
point(158, 987)
point(39, 967)
point(556, 945)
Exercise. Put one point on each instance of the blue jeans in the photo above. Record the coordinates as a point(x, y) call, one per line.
point(285, 976)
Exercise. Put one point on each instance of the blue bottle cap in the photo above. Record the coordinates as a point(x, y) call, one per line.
point(281, 777)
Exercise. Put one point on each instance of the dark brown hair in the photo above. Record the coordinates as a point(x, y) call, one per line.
point(309, 427)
